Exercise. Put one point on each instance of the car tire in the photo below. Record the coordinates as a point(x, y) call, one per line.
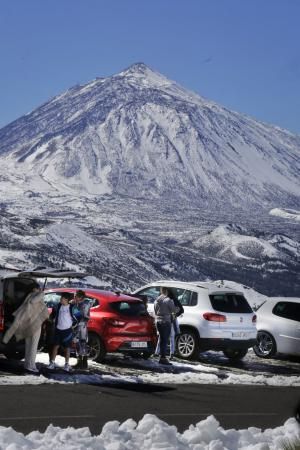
point(235, 354)
point(97, 350)
point(265, 346)
point(187, 344)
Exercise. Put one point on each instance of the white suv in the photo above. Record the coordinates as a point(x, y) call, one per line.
point(215, 318)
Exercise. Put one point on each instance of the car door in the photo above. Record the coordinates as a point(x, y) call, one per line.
point(286, 317)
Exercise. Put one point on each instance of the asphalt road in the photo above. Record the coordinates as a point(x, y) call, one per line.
point(27, 408)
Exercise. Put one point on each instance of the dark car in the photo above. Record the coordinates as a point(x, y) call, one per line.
point(14, 288)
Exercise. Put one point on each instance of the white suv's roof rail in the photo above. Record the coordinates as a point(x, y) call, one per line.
point(210, 286)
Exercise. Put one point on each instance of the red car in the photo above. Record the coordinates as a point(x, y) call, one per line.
point(118, 323)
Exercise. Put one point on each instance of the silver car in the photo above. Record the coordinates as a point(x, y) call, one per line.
point(278, 325)
point(215, 318)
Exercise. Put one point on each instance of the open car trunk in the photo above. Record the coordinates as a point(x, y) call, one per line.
point(14, 288)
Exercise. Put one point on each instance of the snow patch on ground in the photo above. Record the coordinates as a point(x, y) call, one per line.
point(179, 373)
point(286, 213)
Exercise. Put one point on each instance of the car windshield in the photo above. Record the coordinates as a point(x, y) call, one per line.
point(230, 303)
point(126, 308)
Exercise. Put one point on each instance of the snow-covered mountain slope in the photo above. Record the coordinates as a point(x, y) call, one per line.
point(127, 244)
point(289, 214)
point(141, 135)
point(234, 241)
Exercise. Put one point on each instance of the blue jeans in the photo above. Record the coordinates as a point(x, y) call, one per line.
point(174, 331)
point(164, 330)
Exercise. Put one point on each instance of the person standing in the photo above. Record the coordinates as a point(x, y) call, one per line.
point(63, 331)
point(164, 309)
point(175, 330)
point(27, 324)
point(81, 311)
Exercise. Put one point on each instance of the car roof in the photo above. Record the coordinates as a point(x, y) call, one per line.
point(209, 286)
point(109, 295)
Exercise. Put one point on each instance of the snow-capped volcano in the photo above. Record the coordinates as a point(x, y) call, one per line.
point(133, 178)
point(141, 135)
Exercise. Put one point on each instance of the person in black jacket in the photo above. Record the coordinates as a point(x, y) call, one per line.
point(164, 309)
point(175, 330)
point(64, 320)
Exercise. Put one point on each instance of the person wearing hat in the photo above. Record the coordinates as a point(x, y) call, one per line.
point(27, 324)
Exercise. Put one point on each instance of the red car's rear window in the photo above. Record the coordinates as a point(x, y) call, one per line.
point(126, 308)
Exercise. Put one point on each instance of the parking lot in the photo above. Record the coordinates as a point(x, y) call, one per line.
point(211, 367)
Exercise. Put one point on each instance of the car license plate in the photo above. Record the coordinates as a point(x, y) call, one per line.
point(139, 344)
point(239, 334)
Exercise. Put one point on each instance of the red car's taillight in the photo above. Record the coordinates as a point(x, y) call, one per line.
point(214, 317)
point(254, 318)
point(115, 322)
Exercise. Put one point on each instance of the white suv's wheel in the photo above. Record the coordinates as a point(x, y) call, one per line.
point(187, 345)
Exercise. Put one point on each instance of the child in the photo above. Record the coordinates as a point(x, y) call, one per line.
point(63, 333)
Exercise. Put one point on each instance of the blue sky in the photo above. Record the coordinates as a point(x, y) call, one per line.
point(243, 54)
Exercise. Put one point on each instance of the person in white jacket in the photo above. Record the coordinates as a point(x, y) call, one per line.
point(28, 320)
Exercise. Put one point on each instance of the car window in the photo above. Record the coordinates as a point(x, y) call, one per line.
point(186, 297)
point(92, 301)
point(16, 290)
point(52, 299)
point(151, 292)
point(194, 299)
point(230, 303)
point(125, 308)
point(288, 310)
